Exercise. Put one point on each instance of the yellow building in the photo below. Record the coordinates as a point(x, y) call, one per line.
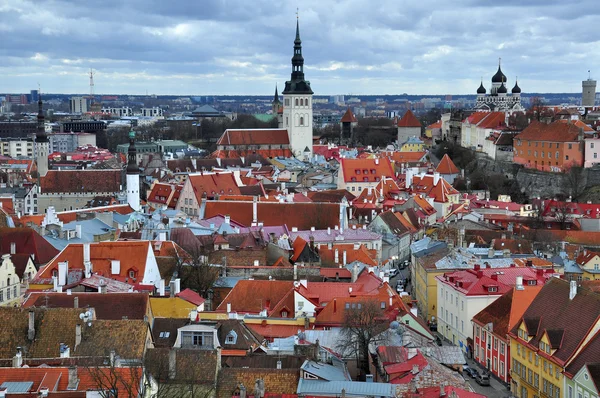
point(413, 144)
point(550, 335)
point(424, 284)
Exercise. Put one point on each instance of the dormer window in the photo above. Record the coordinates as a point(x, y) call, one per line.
point(284, 314)
point(231, 338)
point(492, 289)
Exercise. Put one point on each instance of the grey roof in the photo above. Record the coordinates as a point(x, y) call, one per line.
point(89, 229)
point(205, 109)
point(325, 371)
point(448, 355)
point(335, 235)
point(228, 281)
point(352, 388)
point(426, 246)
point(19, 192)
point(571, 267)
point(17, 386)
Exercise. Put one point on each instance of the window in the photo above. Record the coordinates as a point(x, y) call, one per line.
point(501, 348)
point(8, 294)
point(592, 145)
point(536, 380)
point(231, 338)
point(570, 146)
point(197, 340)
point(164, 335)
point(383, 305)
point(1, 296)
point(301, 102)
point(284, 314)
point(567, 157)
point(15, 294)
point(296, 101)
point(301, 120)
point(132, 274)
point(501, 368)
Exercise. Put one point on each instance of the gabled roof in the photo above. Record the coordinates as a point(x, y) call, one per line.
point(397, 223)
point(190, 296)
point(331, 196)
point(253, 296)
point(213, 184)
point(409, 120)
point(406, 157)
point(348, 117)
point(505, 312)
point(439, 192)
point(133, 255)
point(81, 181)
point(447, 166)
point(555, 310)
point(246, 137)
point(27, 242)
point(362, 254)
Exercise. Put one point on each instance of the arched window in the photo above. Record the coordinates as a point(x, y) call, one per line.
point(301, 120)
point(296, 101)
point(8, 281)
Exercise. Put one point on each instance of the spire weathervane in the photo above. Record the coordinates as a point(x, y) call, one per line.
point(297, 15)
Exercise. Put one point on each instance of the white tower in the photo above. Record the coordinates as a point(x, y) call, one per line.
point(42, 145)
point(133, 175)
point(297, 105)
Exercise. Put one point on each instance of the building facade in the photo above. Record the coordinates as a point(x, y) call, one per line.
point(78, 105)
point(498, 98)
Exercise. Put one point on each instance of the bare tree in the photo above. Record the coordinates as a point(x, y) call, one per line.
point(574, 181)
point(193, 269)
point(364, 324)
point(114, 380)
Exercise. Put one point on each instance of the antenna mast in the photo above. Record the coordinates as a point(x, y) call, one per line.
point(91, 83)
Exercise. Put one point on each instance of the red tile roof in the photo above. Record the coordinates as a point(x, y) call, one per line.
point(253, 296)
point(162, 193)
point(245, 137)
point(447, 166)
point(348, 117)
point(439, 192)
point(505, 312)
point(577, 123)
point(473, 282)
point(362, 254)
point(191, 296)
point(300, 215)
point(409, 120)
point(493, 120)
point(28, 242)
point(132, 255)
point(406, 157)
point(213, 184)
point(239, 153)
point(555, 132)
point(436, 125)
point(81, 181)
point(366, 170)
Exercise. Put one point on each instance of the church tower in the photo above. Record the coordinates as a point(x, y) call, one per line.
point(297, 105)
point(133, 175)
point(42, 145)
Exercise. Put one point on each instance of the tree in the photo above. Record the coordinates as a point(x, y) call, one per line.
point(574, 182)
point(192, 267)
point(364, 324)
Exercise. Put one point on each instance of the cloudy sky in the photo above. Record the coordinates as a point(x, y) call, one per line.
point(205, 47)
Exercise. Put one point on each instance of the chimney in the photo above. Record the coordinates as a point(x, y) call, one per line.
point(44, 391)
point(328, 230)
point(354, 272)
point(295, 271)
point(415, 369)
point(442, 390)
point(102, 287)
point(369, 379)
point(376, 160)
point(436, 178)
point(3, 392)
point(17, 359)
point(77, 336)
point(177, 286)
point(172, 289)
point(336, 256)
point(334, 306)
point(13, 248)
point(64, 350)
point(76, 302)
point(491, 252)
point(161, 288)
point(63, 270)
point(31, 329)
point(344, 257)
point(78, 231)
point(494, 277)
point(227, 219)
point(519, 283)
point(73, 379)
point(255, 210)
point(572, 290)
point(228, 308)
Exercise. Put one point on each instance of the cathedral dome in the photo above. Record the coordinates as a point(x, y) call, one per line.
point(516, 89)
point(481, 89)
point(499, 77)
point(502, 89)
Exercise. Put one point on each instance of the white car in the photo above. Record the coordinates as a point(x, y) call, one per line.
point(392, 272)
point(399, 288)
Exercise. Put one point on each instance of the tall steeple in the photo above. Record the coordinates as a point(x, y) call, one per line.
point(133, 177)
point(42, 146)
point(297, 84)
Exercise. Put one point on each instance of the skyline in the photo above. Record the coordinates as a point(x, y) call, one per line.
point(235, 48)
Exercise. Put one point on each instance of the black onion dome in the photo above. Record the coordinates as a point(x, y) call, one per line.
point(499, 77)
point(516, 89)
point(481, 89)
point(502, 89)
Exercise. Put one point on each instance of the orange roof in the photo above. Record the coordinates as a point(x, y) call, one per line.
point(436, 125)
point(424, 205)
point(366, 170)
point(348, 117)
point(254, 137)
point(406, 157)
point(253, 296)
point(213, 184)
point(577, 123)
point(162, 193)
point(585, 257)
point(409, 120)
point(299, 245)
point(447, 166)
point(7, 205)
point(492, 120)
point(132, 255)
point(238, 153)
point(438, 192)
point(556, 132)
point(81, 181)
point(361, 254)
point(386, 187)
point(520, 302)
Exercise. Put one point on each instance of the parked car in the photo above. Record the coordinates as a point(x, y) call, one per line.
point(470, 372)
point(399, 287)
point(483, 379)
point(392, 272)
point(404, 265)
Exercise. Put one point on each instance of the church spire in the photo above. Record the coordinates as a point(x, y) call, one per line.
point(276, 98)
point(132, 167)
point(297, 84)
point(41, 128)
